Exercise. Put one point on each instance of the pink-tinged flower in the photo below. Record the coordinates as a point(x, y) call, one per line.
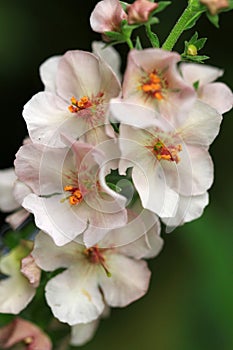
point(70, 195)
point(216, 94)
point(140, 11)
point(152, 80)
point(9, 200)
point(214, 6)
point(78, 87)
point(171, 164)
point(24, 331)
point(83, 332)
point(19, 287)
point(107, 16)
point(104, 273)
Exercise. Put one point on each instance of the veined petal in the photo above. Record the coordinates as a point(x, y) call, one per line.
point(193, 175)
point(88, 76)
point(125, 284)
point(47, 116)
point(74, 296)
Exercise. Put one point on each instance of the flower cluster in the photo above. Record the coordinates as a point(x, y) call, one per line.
point(105, 160)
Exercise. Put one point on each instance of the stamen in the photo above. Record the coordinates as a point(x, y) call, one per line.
point(154, 86)
point(75, 194)
point(78, 105)
point(163, 152)
point(95, 256)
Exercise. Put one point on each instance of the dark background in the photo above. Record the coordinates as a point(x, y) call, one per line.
point(189, 305)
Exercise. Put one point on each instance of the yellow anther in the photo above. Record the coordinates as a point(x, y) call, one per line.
point(68, 188)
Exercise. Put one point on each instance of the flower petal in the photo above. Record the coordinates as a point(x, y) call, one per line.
point(48, 71)
point(204, 74)
point(64, 256)
point(74, 296)
point(218, 96)
point(125, 284)
point(7, 200)
point(83, 332)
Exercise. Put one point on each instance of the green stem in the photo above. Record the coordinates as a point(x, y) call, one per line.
point(130, 44)
point(180, 25)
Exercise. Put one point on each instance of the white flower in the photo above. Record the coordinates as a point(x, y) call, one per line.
point(19, 287)
point(70, 195)
point(78, 87)
point(105, 273)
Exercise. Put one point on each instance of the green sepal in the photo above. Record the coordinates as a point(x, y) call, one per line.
point(161, 6)
point(115, 36)
point(197, 59)
point(198, 44)
point(214, 19)
point(138, 46)
point(124, 5)
point(196, 85)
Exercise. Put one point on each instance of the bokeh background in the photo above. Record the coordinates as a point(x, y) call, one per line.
point(189, 305)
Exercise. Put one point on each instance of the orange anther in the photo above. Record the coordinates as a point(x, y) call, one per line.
point(158, 95)
point(84, 99)
point(77, 194)
point(73, 200)
point(73, 109)
point(73, 100)
point(68, 188)
point(146, 87)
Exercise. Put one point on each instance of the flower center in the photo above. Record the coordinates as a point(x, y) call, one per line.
point(78, 105)
point(170, 152)
point(154, 86)
point(95, 256)
point(75, 196)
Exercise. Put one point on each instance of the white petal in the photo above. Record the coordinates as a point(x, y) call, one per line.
point(218, 96)
point(48, 71)
point(46, 116)
point(189, 208)
point(15, 294)
point(128, 282)
point(64, 256)
point(83, 332)
point(87, 76)
point(74, 296)
point(16, 219)
point(193, 175)
point(57, 219)
point(202, 125)
point(7, 200)
point(109, 55)
point(193, 72)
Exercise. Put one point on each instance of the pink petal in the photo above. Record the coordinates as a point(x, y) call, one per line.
point(218, 96)
point(21, 330)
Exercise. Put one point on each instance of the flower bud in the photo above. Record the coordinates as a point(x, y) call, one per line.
point(214, 6)
point(140, 11)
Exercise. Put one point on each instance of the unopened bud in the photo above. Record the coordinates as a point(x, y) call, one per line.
point(192, 50)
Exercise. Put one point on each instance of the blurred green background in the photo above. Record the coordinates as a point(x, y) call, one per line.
point(189, 305)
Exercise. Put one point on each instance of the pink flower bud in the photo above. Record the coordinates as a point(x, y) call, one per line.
point(214, 6)
point(140, 11)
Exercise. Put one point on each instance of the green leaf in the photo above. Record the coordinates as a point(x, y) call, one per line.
point(161, 7)
point(152, 36)
point(214, 19)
